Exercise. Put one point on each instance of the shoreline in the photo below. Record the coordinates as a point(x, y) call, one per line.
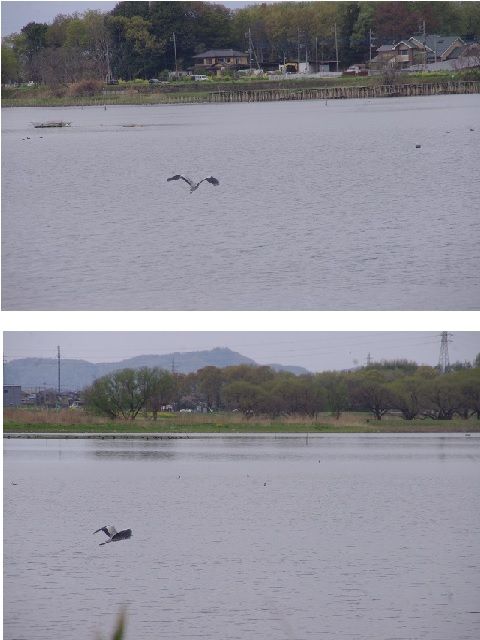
point(222, 95)
point(208, 435)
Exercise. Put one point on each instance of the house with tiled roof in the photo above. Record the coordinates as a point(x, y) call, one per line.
point(218, 59)
point(438, 48)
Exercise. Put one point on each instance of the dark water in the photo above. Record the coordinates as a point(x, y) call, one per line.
point(360, 537)
point(319, 207)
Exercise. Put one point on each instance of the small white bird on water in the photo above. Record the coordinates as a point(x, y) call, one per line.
point(113, 535)
point(194, 185)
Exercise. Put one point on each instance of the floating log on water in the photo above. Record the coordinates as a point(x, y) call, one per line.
point(49, 125)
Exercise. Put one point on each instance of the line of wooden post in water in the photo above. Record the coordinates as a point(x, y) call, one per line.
point(338, 93)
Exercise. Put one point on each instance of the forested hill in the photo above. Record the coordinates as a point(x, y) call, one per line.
point(77, 374)
point(136, 39)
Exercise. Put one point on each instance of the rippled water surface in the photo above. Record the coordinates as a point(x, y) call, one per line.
point(367, 538)
point(319, 207)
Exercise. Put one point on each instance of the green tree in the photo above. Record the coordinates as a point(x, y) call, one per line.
point(443, 397)
point(336, 391)
point(469, 17)
point(99, 43)
point(468, 381)
point(121, 393)
point(304, 395)
point(369, 390)
point(209, 381)
point(245, 396)
point(250, 373)
point(360, 36)
point(406, 396)
point(35, 37)
point(161, 390)
point(135, 48)
point(10, 65)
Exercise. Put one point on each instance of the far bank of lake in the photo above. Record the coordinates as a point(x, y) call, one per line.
point(185, 426)
point(195, 93)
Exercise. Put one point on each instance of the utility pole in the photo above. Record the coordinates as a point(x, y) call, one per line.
point(424, 48)
point(369, 359)
point(250, 47)
point(336, 44)
point(58, 358)
point(175, 53)
point(173, 366)
point(370, 44)
point(443, 360)
point(298, 49)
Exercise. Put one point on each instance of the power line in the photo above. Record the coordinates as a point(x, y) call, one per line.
point(298, 346)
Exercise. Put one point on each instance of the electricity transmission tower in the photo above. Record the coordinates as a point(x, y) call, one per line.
point(444, 360)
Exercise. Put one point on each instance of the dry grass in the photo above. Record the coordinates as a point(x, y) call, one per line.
point(51, 416)
point(71, 420)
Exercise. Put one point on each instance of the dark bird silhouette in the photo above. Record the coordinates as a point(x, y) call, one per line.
point(113, 535)
point(194, 185)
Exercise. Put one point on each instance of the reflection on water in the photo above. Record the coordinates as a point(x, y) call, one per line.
point(318, 207)
point(339, 536)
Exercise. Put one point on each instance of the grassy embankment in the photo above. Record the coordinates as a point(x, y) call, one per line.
point(142, 93)
point(77, 421)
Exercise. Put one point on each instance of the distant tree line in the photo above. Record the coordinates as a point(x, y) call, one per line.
point(403, 387)
point(135, 39)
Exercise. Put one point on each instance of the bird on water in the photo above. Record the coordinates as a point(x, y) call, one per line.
point(194, 185)
point(113, 534)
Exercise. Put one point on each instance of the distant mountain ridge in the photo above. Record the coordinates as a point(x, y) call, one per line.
point(32, 373)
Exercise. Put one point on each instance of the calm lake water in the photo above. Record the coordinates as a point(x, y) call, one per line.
point(359, 537)
point(319, 206)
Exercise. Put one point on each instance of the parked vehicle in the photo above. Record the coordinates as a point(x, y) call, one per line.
point(356, 70)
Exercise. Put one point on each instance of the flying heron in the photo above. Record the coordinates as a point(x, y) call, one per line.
point(113, 535)
point(194, 185)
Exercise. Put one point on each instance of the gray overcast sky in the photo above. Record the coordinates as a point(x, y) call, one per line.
point(17, 13)
point(317, 351)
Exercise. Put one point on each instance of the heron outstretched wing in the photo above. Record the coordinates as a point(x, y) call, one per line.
point(123, 535)
point(212, 180)
point(108, 529)
point(179, 177)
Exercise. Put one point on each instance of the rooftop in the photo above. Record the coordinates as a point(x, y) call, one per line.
point(218, 53)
